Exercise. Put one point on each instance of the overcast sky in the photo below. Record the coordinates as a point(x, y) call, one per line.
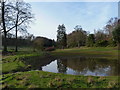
point(90, 15)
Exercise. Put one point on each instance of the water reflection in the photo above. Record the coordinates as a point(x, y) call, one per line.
point(62, 68)
point(85, 66)
point(36, 62)
point(76, 66)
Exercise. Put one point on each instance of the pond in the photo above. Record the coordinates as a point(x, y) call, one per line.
point(75, 66)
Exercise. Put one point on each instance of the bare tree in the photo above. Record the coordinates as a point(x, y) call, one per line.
point(100, 35)
point(111, 24)
point(15, 16)
point(3, 21)
point(3, 25)
point(22, 17)
point(6, 20)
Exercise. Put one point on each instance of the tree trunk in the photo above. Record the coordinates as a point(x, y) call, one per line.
point(78, 44)
point(16, 27)
point(5, 42)
point(118, 46)
point(4, 27)
point(16, 47)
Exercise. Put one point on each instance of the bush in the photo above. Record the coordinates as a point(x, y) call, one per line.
point(102, 43)
point(112, 43)
point(50, 49)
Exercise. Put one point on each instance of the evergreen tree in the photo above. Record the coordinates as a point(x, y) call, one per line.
point(61, 36)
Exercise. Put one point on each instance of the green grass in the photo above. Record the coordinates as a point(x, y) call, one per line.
point(95, 52)
point(40, 79)
point(14, 63)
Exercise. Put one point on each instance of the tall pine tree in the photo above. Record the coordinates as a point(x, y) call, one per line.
point(61, 36)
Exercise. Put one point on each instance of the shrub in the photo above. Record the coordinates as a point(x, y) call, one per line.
point(50, 49)
point(90, 40)
point(102, 43)
point(112, 43)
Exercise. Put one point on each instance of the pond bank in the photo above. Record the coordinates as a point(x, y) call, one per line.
point(94, 52)
point(17, 62)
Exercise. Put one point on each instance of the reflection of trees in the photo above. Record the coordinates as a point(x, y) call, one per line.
point(114, 64)
point(37, 62)
point(116, 68)
point(61, 68)
point(91, 64)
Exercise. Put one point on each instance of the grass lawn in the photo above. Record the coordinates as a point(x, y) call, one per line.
point(40, 79)
point(95, 52)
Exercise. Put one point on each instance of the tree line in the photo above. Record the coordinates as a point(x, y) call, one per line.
point(22, 41)
point(107, 36)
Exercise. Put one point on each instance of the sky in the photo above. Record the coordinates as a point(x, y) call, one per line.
point(90, 15)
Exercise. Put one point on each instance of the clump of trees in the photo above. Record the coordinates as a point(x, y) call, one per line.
point(108, 36)
point(104, 37)
point(42, 43)
point(77, 38)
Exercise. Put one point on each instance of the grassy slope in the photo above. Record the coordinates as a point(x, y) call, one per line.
point(98, 52)
point(40, 79)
